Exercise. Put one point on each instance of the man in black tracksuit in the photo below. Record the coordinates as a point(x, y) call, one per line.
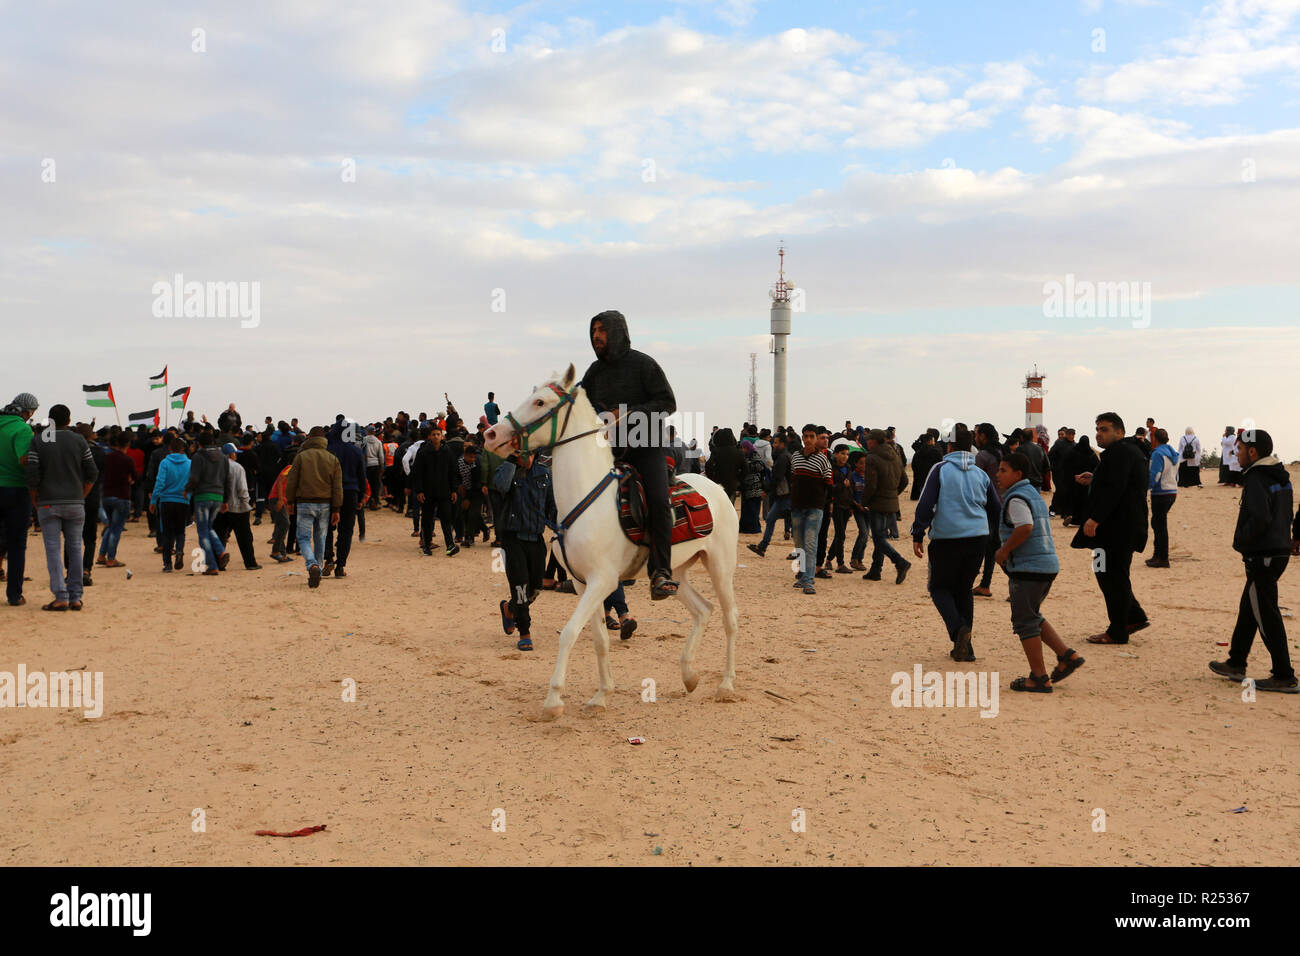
point(1117, 526)
point(623, 381)
point(434, 479)
point(1265, 537)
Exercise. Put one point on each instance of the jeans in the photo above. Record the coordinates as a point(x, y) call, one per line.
point(205, 513)
point(1160, 505)
point(313, 519)
point(57, 522)
point(616, 602)
point(780, 506)
point(118, 510)
point(15, 517)
point(878, 521)
point(1258, 611)
point(864, 532)
point(807, 524)
point(840, 520)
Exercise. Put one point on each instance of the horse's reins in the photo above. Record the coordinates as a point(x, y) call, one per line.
point(524, 432)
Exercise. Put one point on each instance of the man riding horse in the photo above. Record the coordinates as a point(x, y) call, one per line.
point(623, 381)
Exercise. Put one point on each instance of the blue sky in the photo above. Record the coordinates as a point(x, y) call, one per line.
point(929, 167)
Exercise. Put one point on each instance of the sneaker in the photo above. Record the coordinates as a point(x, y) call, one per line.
point(793, 555)
point(86, 581)
point(1279, 686)
point(871, 576)
point(256, 522)
point(798, 585)
point(313, 576)
point(902, 571)
point(252, 567)
point(361, 538)
point(427, 552)
point(1157, 562)
point(453, 550)
point(180, 562)
point(1225, 669)
point(756, 549)
point(167, 568)
point(340, 573)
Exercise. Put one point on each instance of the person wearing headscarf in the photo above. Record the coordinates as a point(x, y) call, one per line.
point(1189, 460)
point(1081, 458)
point(725, 465)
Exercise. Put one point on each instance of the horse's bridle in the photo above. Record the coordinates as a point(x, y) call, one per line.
point(524, 432)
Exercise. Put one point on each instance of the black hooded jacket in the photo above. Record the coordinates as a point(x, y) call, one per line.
point(628, 377)
point(1264, 517)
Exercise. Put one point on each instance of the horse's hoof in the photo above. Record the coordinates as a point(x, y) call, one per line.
point(594, 707)
point(552, 713)
point(690, 681)
point(726, 695)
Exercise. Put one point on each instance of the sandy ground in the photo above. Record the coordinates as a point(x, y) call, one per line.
point(225, 695)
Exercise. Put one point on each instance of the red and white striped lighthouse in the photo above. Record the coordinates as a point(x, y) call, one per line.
point(1034, 398)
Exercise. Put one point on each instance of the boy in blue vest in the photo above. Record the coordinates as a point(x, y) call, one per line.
point(1029, 558)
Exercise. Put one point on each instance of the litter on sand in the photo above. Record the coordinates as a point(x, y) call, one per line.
point(305, 831)
point(1237, 810)
point(636, 740)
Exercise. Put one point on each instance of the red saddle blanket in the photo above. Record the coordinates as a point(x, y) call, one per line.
point(691, 515)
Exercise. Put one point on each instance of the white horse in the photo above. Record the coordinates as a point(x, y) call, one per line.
point(598, 554)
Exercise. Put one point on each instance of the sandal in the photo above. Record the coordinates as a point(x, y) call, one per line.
point(52, 606)
point(611, 623)
point(525, 644)
point(626, 628)
point(662, 587)
point(1033, 684)
point(507, 622)
point(74, 606)
point(1066, 665)
point(1104, 638)
point(981, 592)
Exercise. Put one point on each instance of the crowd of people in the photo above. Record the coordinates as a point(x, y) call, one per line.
point(982, 501)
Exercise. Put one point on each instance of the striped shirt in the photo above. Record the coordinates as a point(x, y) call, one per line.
point(810, 476)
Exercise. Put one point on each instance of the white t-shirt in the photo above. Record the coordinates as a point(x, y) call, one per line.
point(1019, 512)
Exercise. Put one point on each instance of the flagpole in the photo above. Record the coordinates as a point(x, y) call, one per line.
point(167, 400)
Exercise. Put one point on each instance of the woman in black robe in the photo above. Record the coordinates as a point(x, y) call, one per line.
point(1080, 459)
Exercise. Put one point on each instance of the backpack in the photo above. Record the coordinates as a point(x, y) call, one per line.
point(1189, 452)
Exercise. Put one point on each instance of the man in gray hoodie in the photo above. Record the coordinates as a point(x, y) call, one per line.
point(207, 488)
point(60, 473)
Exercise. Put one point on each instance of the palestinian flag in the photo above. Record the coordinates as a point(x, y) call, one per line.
point(139, 418)
point(180, 397)
point(100, 396)
point(159, 380)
